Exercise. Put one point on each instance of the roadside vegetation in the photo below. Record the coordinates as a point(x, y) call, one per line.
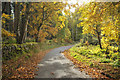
point(30, 29)
point(24, 64)
point(94, 61)
point(98, 52)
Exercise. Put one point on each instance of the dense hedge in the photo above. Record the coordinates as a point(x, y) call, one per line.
point(12, 50)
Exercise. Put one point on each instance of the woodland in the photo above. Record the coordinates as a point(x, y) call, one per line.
point(31, 29)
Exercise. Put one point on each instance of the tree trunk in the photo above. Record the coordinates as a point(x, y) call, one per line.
point(76, 33)
point(21, 24)
point(17, 21)
point(24, 39)
point(36, 39)
point(119, 47)
point(119, 38)
point(6, 8)
point(99, 39)
point(36, 36)
point(24, 22)
point(72, 33)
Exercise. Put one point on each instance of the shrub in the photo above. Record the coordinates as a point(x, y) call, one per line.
point(104, 60)
point(9, 40)
point(116, 63)
point(30, 40)
point(114, 56)
point(91, 64)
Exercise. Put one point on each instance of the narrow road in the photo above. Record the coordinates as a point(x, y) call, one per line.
point(56, 65)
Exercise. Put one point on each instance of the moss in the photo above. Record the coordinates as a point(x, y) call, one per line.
point(10, 51)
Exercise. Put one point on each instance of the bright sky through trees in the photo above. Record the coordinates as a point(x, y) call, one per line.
point(80, 2)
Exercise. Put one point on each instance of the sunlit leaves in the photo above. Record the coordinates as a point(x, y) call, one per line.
point(6, 33)
point(42, 35)
point(67, 33)
point(67, 12)
point(47, 18)
point(101, 17)
point(5, 17)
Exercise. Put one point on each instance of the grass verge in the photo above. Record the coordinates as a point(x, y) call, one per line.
point(93, 62)
point(24, 66)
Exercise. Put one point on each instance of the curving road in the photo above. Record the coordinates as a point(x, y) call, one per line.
point(56, 65)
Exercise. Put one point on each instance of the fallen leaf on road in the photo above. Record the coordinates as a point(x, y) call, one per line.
point(52, 73)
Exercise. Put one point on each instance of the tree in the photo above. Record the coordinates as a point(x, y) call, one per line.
point(21, 20)
point(91, 20)
point(102, 19)
point(46, 18)
point(17, 20)
point(72, 25)
point(6, 10)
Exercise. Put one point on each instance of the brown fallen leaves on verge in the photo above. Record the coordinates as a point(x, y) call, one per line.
point(22, 68)
point(95, 72)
